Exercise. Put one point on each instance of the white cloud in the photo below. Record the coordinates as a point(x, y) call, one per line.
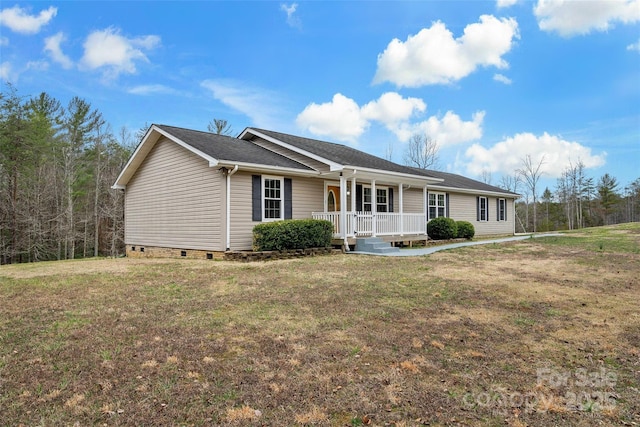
point(502, 78)
point(569, 18)
point(340, 119)
point(19, 20)
point(260, 105)
point(4, 41)
point(506, 156)
point(343, 119)
point(38, 65)
point(116, 53)
point(634, 46)
point(152, 90)
point(52, 47)
point(292, 19)
point(5, 72)
point(433, 56)
point(505, 3)
point(447, 130)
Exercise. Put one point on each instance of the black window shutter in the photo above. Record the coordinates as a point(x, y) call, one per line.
point(256, 197)
point(505, 209)
point(288, 205)
point(446, 205)
point(390, 199)
point(478, 208)
point(359, 198)
point(497, 209)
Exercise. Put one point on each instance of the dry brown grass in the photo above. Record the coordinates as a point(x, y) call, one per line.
point(456, 338)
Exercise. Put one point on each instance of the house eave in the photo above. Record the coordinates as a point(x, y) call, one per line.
point(255, 167)
point(475, 192)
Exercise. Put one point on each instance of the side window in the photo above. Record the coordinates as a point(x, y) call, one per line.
point(483, 209)
point(437, 205)
point(272, 198)
point(502, 210)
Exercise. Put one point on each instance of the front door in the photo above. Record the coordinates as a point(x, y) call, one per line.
point(333, 198)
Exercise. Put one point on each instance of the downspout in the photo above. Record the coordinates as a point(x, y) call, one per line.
point(229, 173)
point(343, 211)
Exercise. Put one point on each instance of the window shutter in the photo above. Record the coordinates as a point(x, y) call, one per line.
point(505, 209)
point(477, 208)
point(288, 205)
point(256, 197)
point(497, 209)
point(390, 199)
point(359, 198)
point(446, 206)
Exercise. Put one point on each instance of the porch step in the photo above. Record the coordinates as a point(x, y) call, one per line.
point(374, 245)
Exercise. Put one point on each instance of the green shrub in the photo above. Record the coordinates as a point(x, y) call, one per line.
point(465, 230)
point(292, 234)
point(442, 228)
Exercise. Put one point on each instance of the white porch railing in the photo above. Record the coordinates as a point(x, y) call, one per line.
point(386, 223)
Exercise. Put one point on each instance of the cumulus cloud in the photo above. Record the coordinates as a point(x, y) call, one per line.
point(502, 78)
point(260, 105)
point(634, 46)
point(506, 156)
point(343, 119)
point(20, 21)
point(505, 3)
point(434, 56)
point(52, 47)
point(340, 119)
point(292, 19)
point(115, 53)
point(569, 18)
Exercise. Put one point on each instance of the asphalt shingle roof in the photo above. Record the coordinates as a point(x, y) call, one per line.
point(338, 153)
point(227, 148)
point(458, 181)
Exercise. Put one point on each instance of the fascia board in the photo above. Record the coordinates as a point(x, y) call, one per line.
point(255, 167)
point(477, 192)
point(333, 166)
point(425, 179)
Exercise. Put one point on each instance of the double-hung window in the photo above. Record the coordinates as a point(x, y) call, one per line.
point(382, 199)
point(502, 210)
point(272, 201)
point(437, 205)
point(483, 209)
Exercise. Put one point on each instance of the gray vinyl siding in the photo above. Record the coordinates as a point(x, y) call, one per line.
point(173, 201)
point(462, 207)
point(307, 197)
point(322, 167)
point(413, 199)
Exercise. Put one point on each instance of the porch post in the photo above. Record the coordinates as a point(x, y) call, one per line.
point(343, 210)
point(401, 209)
point(374, 208)
point(425, 207)
point(353, 205)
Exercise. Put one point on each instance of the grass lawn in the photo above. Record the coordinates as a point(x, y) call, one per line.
point(538, 332)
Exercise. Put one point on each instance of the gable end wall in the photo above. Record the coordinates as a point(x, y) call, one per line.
point(175, 200)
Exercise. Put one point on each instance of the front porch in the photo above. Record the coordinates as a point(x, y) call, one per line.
point(389, 225)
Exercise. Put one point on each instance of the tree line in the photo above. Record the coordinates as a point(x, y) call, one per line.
point(57, 164)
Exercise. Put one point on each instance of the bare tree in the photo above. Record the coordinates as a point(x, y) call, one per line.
point(530, 174)
point(510, 182)
point(388, 152)
point(486, 176)
point(422, 152)
point(220, 127)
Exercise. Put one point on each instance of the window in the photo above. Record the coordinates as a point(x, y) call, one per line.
point(382, 199)
point(272, 198)
point(437, 205)
point(483, 209)
point(502, 210)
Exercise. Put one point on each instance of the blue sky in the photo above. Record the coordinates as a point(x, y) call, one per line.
point(491, 82)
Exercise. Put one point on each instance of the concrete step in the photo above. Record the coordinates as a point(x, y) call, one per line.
point(374, 245)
